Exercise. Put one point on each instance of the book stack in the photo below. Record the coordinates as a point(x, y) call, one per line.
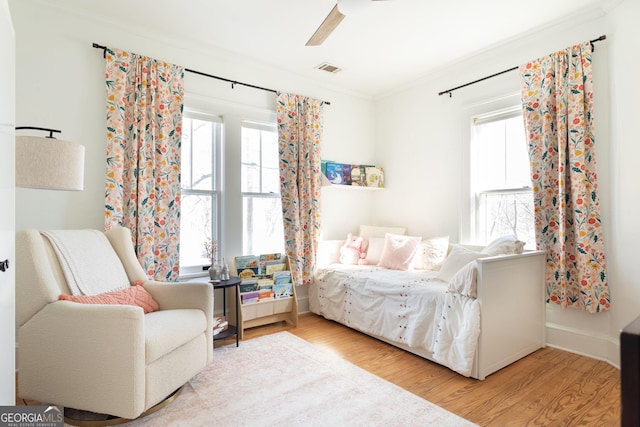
point(219, 324)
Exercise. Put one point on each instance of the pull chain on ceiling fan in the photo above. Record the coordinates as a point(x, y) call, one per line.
point(340, 10)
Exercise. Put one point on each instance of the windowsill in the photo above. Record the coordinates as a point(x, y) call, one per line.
point(189, 276)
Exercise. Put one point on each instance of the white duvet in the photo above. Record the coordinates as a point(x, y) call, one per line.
point(408, 307)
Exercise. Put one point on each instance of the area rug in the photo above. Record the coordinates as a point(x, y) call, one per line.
point(282, 380)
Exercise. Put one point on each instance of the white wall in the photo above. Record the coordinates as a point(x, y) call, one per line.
point(7, 219)
point(60, 84)
point(416, 135)
point(422, 139)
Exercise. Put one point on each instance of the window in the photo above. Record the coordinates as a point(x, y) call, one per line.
point(500, 182)
point(261, 207)
point(201, 135)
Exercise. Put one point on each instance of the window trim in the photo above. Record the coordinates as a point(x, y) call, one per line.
point(477, 215)
point(215, 193)
point(260, 109)
point(505, 104)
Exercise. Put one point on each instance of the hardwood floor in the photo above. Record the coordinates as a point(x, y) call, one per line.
point(547, 388)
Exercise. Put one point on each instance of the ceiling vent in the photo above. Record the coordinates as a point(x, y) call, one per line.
point(325, 66)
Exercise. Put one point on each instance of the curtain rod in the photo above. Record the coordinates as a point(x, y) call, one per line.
point(449, 91)
point(200, 73)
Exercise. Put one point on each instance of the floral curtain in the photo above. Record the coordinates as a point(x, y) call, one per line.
point(300, 125)
point(557, 97)
point(144, 120)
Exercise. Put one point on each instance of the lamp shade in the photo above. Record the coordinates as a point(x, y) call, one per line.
point(49, 163)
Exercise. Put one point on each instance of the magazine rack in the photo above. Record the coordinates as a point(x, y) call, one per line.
point(265, 312)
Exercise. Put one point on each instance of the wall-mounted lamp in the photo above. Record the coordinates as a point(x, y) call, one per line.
point(48, 163)
point(352, 7)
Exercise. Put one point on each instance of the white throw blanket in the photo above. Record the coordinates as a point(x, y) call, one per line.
point(88, 261)
point(457, 335)
point(407, 307)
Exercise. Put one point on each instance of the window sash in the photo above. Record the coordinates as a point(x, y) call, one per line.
point(192, 257)
point(261, 234)
point(503, 212)
point(255, 167)
point(497, 115)
point(498, 208)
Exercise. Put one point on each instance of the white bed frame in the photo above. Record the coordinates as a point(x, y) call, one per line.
point(512, 311)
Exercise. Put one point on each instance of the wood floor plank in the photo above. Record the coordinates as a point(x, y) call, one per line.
point(507, 392)
point(547, 388)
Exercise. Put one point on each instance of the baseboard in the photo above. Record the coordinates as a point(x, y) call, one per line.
point(599, 346)
point(303, 304)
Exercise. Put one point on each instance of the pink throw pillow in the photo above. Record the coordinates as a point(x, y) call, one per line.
point(399, 251)
point(135, 295)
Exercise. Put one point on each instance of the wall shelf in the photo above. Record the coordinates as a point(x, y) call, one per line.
point(345, 175)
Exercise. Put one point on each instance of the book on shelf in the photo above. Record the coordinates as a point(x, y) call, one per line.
point(283, 290)
point(334, 172)
point(272, 262)
point(249, 297)
point(247, 266)
point(248, 286)
point(374, 176)
point(357, 176)
point(346, 174)
point(265, 284)
point(272, 268)
point(266, 294)
point(281, 277)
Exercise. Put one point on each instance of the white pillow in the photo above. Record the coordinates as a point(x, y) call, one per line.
point(432, 253)
point(464, 282)
point(328, 252)
point(374, 250)
point(369, 231)
point(457, 258)
point(399, 252)
point(503, 246)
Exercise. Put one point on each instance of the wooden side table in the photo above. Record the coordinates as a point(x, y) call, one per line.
point(233, 282)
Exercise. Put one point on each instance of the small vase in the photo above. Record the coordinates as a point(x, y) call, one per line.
point(224, 272)
point(213, 272)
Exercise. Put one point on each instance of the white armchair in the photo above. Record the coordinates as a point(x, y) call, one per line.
point(108, 359)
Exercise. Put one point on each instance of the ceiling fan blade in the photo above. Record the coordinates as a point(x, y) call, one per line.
point(326, 28)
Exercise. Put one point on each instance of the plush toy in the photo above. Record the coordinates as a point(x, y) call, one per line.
point(354, 251)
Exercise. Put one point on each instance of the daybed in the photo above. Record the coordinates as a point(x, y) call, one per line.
point(473, 312)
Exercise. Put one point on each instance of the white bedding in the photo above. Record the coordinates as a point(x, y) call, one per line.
point(408, 307)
